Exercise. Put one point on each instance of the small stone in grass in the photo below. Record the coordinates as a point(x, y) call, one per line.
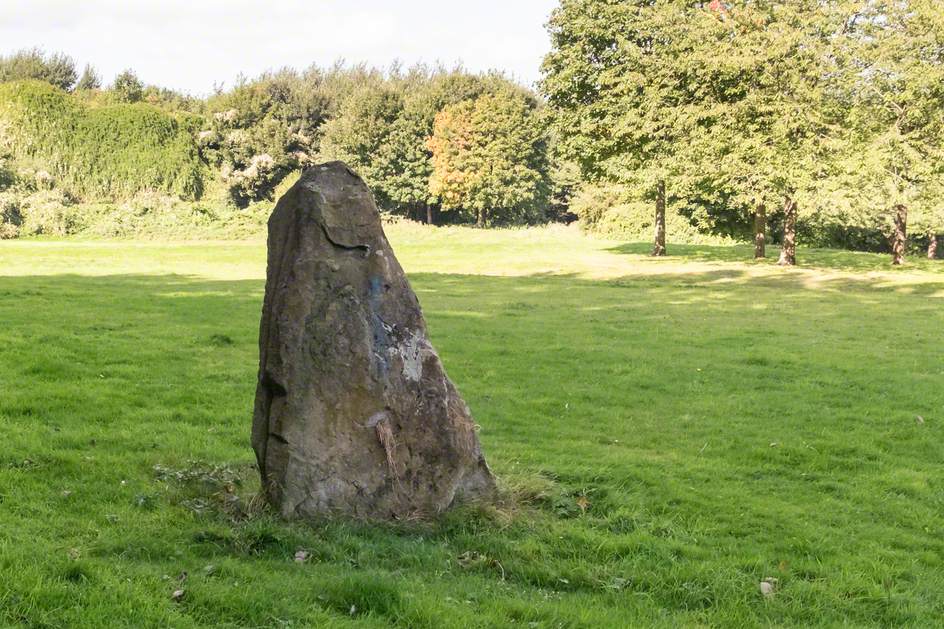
point(768, 587)
point(177, 596)
point(301, 556)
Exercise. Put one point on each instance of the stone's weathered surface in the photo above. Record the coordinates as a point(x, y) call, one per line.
point(354, 413)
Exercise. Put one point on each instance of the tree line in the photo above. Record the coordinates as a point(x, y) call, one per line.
point(828, 114)
point(810, 121)
point(434, 144)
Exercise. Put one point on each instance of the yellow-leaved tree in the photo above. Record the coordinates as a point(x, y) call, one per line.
point(490, 158)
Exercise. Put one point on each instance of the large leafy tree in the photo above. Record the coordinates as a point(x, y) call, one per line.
point(490, 158)
point(405, 158)
point(622, 80)
point(383, 127)
point(894, 77)
point(772, 98)
point(360, 132)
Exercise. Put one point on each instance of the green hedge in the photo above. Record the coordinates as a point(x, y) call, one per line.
point(99, 153)
point(613, 212)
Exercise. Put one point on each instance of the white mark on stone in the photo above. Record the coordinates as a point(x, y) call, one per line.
point(413, 352)
point(375, 419)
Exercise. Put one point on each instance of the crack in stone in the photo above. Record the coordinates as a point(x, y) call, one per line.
point(340, 245)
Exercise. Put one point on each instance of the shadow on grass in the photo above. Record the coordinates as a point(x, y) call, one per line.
point(832, 259)
point(200, 301)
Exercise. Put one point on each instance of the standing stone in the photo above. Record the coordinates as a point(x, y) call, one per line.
point(354, 413)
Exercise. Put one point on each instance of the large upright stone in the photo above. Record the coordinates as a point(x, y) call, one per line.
point(354, 413)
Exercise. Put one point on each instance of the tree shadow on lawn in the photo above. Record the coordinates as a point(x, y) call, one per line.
point(182, 311)
point(112, 336)
point(832, 259)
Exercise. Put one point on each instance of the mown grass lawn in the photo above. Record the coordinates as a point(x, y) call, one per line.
point(672, 432)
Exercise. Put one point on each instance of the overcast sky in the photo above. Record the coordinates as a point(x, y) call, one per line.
point(192, 44)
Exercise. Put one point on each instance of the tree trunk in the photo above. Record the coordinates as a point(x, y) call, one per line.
point(932, 247)
point(788, 250)
point(480, 219)
point(900, 237)
point(429, 214)
point(760, 231)
point(658, 248)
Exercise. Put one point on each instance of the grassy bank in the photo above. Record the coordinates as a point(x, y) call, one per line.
point(672, 431)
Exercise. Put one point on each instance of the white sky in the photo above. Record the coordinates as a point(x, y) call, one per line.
point(190, 44)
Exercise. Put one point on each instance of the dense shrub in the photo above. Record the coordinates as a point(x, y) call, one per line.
point(262, 130)
point(147, 215)
point(614, 211)
point(151, 215)
point(841, 230)
point(50, 213)
point(7, 174)
point(105, 147)
point(10, 217)
point(30, 206)
point(108, 152)
point(39, 212)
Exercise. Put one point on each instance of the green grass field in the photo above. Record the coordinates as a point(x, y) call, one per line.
point(668, 432)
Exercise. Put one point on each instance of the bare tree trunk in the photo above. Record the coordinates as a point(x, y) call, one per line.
point(480, 219)
point(429, 214)
point(788, 250)
point(659, 248)
point(760, 231)
point(932, 247)
point(900, 236)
